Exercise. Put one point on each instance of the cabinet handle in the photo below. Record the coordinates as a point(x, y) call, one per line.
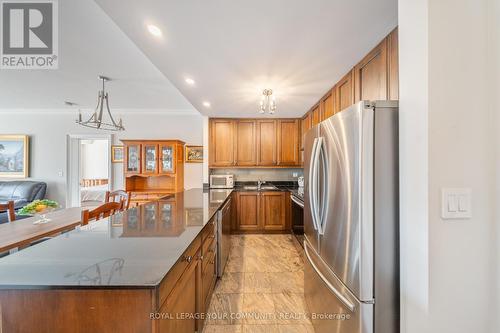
point(200, 257)
point(212, 262)
point(187, 259)
point(211, 236)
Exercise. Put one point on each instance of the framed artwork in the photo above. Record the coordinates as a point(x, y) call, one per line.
point(194, 154)
point(14, 156)
point(117, 154)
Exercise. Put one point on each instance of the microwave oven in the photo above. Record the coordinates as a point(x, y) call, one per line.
point(221, 181)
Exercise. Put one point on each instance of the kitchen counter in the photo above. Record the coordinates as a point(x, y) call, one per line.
point(280, 186)
point(136, 248)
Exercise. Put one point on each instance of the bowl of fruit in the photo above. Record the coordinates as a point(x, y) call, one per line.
point(39, 208)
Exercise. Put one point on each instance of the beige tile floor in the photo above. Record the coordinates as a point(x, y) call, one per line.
point(262, 289)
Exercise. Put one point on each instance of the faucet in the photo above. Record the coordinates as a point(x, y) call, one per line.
point(259, 184)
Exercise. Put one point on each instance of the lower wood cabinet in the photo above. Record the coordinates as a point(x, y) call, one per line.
point(190, 295)
point(264, 211)
point(182, 300)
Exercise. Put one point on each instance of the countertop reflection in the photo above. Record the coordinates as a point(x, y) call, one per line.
point(136, 248)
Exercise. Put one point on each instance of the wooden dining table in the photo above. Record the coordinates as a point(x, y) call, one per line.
point(22, 232)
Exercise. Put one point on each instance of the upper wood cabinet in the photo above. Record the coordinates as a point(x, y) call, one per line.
point(316, 115)
point(221, 146)
point(393, 65)
point(266, 142)
point(344, 92)
point(246, 142)
point(370, 75)
point(327, 105)
point(257, 142)
point(132, 162)
point(288, 142)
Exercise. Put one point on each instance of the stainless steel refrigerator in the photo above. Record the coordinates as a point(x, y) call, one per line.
point(351, 219)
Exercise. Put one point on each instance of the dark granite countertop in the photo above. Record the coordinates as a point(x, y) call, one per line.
point(136, 248)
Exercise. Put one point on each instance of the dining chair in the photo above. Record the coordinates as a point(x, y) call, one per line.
point(119, 196)
point(9, 208)
point(104, 210)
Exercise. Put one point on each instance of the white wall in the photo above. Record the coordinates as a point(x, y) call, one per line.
point(48, 131)
point(448, 140)
point(94, 159)
point(414, 243)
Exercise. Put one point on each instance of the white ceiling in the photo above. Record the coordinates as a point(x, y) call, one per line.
point(234, 49)
point(90, 44)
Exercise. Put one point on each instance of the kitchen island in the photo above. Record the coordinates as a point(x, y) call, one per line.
point(148, 269)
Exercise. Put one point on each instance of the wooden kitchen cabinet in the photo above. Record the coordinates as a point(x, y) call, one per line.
point(260, 143)
point(272, 210)
point(370, 75)
point(221, 149)
point(316, 115)
point(261, 211)
point(327, 105)
point(344, 92)
point(149, 158)
point(182, 300)
point(246, 143)
point(248, 211)
point(393, 65)
point(288, 142)
point(267, 154)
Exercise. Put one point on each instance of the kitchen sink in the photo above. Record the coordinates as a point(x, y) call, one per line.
point(263, 187)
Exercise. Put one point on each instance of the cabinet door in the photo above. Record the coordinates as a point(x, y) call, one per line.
point(344, 92)
point(370, 75)
point(288, 142)
point(393, 64)
point(316, 115)
point(167, 158)
point(272, 210)
point(327, 105)
point(248, 211)
point(221, 142)
point(149, 158)
point(246, 143)
point(266, 142)
point(133, 159)
point(181, 301)
point(306, 125)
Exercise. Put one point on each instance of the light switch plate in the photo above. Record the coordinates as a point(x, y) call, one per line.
point(456, 203)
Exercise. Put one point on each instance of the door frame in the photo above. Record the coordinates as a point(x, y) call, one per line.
point(73, 156)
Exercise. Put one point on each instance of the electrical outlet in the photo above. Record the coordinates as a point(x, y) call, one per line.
point(295, 174)
point(60, 173)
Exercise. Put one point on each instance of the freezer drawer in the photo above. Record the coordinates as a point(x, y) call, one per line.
point(332, 306)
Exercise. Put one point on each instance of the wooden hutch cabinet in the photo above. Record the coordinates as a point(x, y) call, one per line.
point(153, 168)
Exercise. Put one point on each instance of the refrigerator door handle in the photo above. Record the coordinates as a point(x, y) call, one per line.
point(311, 186)
point(337, 293)
point(324, 180)
point(315, 206)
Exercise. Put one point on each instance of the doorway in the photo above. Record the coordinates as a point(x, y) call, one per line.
point(89, 169)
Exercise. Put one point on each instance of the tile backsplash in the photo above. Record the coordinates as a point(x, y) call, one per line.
point(243, 175)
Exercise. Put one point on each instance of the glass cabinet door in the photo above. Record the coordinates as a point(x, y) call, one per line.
point(167, 159)
point(133, 162)
point(149, 159)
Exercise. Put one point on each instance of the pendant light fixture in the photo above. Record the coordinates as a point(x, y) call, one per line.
point(267, 102)
point(98, 118)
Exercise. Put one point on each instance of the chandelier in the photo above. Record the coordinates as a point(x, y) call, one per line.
point(267, 102)
point(96, 120)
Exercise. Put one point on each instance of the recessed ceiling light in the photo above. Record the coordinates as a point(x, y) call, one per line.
point(154, 30)
point(189, 81)
point(206, 104)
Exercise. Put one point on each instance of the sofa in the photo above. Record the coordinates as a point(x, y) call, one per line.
point(21, 192)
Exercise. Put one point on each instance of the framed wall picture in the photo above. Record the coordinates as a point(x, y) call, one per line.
point(194, 154)
point(117, 154)
point(14, 156)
